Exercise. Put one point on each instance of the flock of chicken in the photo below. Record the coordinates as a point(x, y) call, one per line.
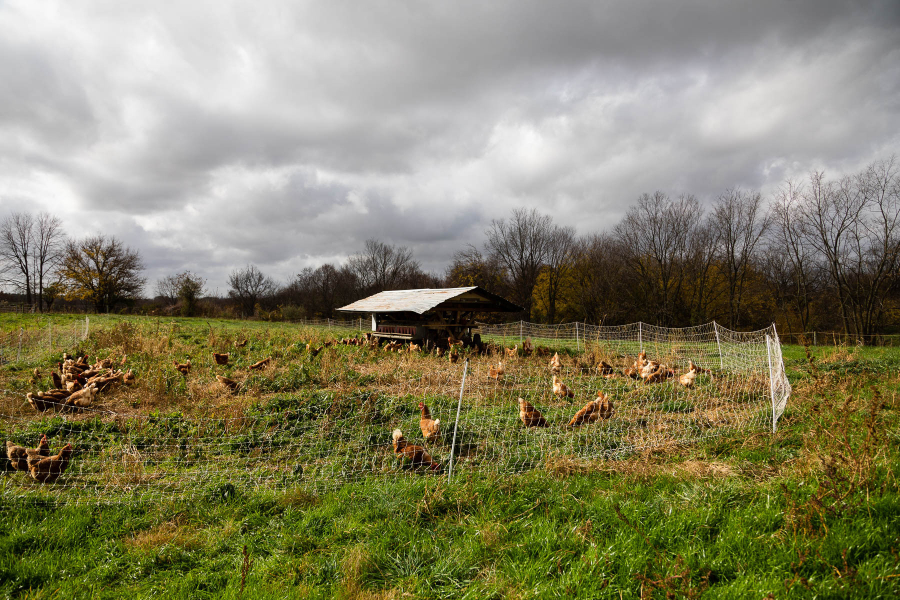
point(37, 461)
point(600, 408)
point(77, 382)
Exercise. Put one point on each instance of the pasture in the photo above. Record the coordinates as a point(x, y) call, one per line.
point(185, 488)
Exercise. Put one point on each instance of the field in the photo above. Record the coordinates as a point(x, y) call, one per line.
point(809, 511)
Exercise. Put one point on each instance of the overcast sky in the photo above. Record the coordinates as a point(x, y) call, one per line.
point(212, 134)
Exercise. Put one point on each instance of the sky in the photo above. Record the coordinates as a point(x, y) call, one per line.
point(209, 135)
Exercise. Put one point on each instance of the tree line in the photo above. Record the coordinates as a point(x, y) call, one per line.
point(819, 254)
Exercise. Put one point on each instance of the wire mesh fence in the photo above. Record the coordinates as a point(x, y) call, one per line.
point(24, 345)
point(317, 422)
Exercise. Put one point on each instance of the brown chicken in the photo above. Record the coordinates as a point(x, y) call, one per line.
point(128, 378)
point(512, 352)
point(555, 364)
point(240, 344)
point(599, 408)
point(17, 456)
point(496, 372)
point(606, 369)
point(260, 364)
point(33, 456)
point(48, 470)
point(414, 347)
point(231, 384)
point(416, 455)
point(431, 428)
point(454, 356)
point(561, 389)
point(221, 359)
point(531, 417)
point(57, 380)
point(527, 347)
point(183, 368)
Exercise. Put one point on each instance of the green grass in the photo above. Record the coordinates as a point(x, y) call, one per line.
point(809, 511)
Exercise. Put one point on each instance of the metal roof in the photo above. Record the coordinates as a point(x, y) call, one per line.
point(421, 301)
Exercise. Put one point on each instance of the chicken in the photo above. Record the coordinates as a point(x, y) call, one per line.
point(555, 364)
point(241, 344)
point(416, 455)
point(50, 399)
point(231, 384)
point(512, 352)
point(599, 408)
point(531, 417)
point(129, 378)
point(439, 352)
point(183, 368)
point(17, 456)
point(35, 375)
point(262, 364)
point(431, 428)
point(124, 358)
point(527, 348)
point(313, 352)
point(687, 380)
point(561, 389)
point(698, 369)
point(454, 356)
point(33, 456)
point(48, 470)
point(82, 398)
point(649, 368)
point(496, 372)
point(221, 359)
point(414, 347)
point(606, 369)
point(57, 380)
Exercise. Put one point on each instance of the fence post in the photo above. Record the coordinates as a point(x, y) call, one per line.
point(771, 379)
point(456, 422)
point(87, 325)
point(641, 335)
point(19, 354)
point(719, 346)
point(814, 339)
point(576, 336)
point(521, 323)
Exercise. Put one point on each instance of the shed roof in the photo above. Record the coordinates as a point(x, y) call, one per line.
point(421, 301)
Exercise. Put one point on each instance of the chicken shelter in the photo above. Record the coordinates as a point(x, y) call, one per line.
point(429, 314)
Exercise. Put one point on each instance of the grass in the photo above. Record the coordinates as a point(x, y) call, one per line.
point(809, 511)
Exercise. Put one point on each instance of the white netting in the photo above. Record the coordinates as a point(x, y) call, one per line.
point(314, 422)
point(25, 345)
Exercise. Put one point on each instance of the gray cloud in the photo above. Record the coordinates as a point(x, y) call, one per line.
point(214, 134)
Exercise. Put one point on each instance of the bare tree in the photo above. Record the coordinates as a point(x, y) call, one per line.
point(167, 289)
point(248, 286)
point(520, 245)
point(558, 264)
point(790, 239)
point(852, 223)
point(740, 222)
point(16, 252)
point(656, 237)
point(103, 271)
point(30, 250)
point(185, 287)
point(598, 276)
point(382, 266)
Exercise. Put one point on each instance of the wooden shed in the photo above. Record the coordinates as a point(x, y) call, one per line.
point(429, 314)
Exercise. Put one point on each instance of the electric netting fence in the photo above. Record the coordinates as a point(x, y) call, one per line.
point(316, 422)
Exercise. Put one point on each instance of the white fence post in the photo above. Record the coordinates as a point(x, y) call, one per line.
point(719, 345)
point(456, 422)
point(576, 337)
point(19, 354)
point(771, 379)
point(641, 334)
point(87, 325)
